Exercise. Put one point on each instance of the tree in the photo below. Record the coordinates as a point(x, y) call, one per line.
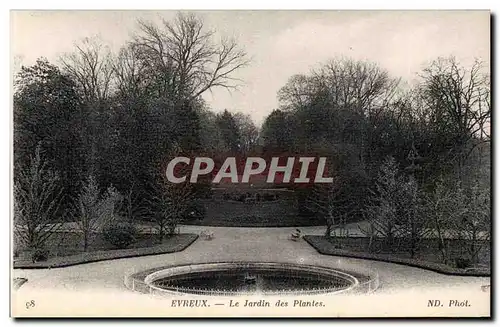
point(383, 208)
point(186, 59)
point(327, 201)
point(299, 91)
point(229, 131)
point(411, 218)
point(475, 225)
point(95, 211)
point(457, 102)
point(337, 101)
point(131, 74)
point(168, 203)
point(356, 85)
point(91, 67)
point(131, 206)
point(462, 214)
point(445, 205)
point(338, 109)
point(47, 113)
point(182, 60)
point(210, 134)
point(249, 133)
point(277, 131)
point(37, 203)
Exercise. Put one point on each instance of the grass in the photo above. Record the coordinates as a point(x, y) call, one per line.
point(257, 221)
point(355, 247)
point(67, 251)
point(280, 213)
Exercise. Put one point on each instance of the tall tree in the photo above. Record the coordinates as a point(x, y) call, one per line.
point(186, 58)
point(47, 111)
point(183, 59)
point(249, 133)
point(457, 103)
point(94, 211)
point(91, 67)
point(37, 203)
point(229, 130)
point(277, 131)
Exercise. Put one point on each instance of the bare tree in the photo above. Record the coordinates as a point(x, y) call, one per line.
point(327, 201)
point(95, 211)
point(370, 229)
point(443, 205)
point(382, 212)
point(91, 67)
point(131, 206)
point(299, 91)
point(359, 85)
point(169, 203)
point(458, 102)
point(37, 202)
point(475, 225)
point(412, 221)
point(186, 57)
point(344, 93)
point(132, 79)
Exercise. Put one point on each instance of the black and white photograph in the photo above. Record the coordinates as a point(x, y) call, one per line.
point(251, 163)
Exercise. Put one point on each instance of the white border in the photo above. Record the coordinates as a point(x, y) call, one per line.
point(6, 116)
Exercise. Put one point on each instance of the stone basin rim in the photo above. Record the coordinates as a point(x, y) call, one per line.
point(220, 266)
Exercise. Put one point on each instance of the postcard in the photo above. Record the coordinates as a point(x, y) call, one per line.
point(254, 163)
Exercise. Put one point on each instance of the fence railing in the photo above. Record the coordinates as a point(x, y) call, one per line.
point(134, 283)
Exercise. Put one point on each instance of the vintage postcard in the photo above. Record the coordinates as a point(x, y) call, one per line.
point(251, 164)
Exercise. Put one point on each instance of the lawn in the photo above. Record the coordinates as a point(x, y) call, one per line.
point(65, 249)
point(290, 220)
point(281, 213)
point(427, 257)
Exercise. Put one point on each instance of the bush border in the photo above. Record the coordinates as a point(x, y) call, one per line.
point(104, 255)
point(315, 242)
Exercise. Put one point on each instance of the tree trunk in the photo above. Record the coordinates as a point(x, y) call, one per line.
point(85, 241)
point(328, 229)
point(473, 251)
point(160, 233)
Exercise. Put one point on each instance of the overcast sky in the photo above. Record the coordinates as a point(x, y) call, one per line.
point(280, 43)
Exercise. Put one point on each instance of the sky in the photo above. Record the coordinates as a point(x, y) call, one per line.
point(279, 43)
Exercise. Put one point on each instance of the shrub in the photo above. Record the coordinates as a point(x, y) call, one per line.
point(462, 263)
point(16, 252)
point(38, 196)
point(195, 211)
point(95, 210)
point(39, 255)
point(120, 235)
point(268, 197)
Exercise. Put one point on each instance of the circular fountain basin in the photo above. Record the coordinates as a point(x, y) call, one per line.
point(236, 278)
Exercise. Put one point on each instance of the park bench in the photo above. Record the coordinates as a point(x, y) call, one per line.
point(207, 235)
point(296, 235)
